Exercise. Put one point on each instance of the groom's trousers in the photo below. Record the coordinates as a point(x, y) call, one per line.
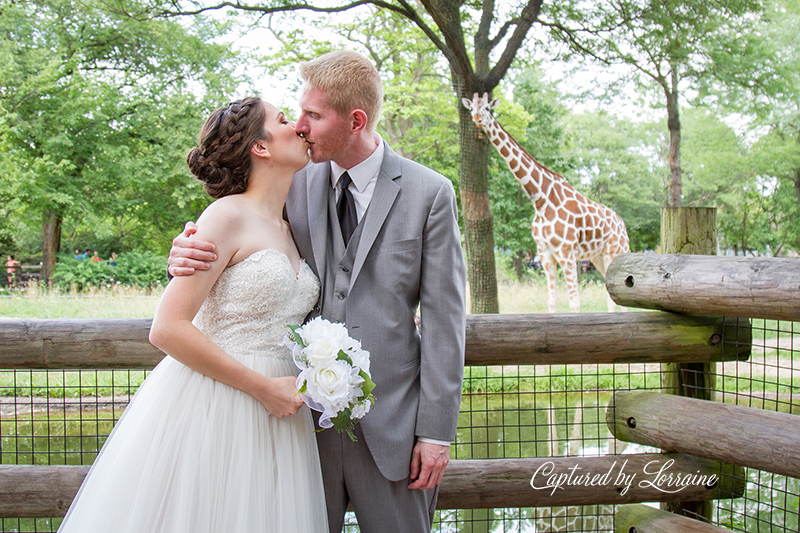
point(381, 506)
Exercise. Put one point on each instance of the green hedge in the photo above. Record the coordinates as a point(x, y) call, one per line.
point(139, 269)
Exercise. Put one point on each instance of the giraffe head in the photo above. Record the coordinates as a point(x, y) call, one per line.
point(481, 108)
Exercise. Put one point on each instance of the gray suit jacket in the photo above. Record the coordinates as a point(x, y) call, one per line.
point(409, 255)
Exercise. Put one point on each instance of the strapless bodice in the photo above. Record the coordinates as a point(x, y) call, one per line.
point(253, 301)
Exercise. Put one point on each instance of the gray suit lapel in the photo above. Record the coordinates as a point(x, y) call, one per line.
point(386, 191)
point(317, 185)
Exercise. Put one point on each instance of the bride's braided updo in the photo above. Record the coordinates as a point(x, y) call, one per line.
point(222, 159)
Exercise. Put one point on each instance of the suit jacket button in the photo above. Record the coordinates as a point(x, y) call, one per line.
point(340, 296)
point(345, 269)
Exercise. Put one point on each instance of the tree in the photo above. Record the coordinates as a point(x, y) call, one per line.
point(417, 118)
point(74, 78)
point(496, 39)
point(669, 45)
point(762, 84)
point(9, 185)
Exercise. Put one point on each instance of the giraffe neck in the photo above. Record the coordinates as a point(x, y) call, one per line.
point(535, 179)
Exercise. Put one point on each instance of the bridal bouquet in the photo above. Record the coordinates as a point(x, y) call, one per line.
point(334, 373)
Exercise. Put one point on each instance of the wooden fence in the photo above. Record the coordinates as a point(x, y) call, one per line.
point(19, 275)
point(668, 283)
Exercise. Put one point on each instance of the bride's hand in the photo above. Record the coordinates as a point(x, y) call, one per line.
point(279, 396)
point(188, 255)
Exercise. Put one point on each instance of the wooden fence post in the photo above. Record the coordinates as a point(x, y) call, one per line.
point(689, 230)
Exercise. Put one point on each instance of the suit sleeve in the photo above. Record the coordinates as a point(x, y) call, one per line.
point(443, 319)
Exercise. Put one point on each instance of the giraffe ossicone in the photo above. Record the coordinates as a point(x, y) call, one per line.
point(567, 227)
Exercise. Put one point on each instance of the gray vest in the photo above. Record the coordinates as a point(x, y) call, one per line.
point(338, 265)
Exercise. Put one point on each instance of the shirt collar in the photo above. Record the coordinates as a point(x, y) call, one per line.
point(362, 173)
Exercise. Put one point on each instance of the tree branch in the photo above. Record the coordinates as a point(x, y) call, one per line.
point(449, 24)
point(529, 14)
point(299, 6)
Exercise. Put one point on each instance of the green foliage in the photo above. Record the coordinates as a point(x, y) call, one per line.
point(102, 108)
point(139, 269)
point(618, 165)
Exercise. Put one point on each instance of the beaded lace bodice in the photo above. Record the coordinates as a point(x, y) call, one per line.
point(253, 301)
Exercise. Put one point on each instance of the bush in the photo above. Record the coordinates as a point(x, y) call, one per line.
point(139, 269)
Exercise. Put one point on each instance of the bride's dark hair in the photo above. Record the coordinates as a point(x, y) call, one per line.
point(222, 159)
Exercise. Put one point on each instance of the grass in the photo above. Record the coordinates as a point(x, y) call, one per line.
point(529, 296)
point(114, 302)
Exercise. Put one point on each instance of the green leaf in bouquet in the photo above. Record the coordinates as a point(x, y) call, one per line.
point(294, 336)
point(344, 357)
point(343, 423)
point(368, 385)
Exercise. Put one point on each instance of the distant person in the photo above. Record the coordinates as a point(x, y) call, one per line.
point(11, 270)
point(112, 261)
point(96, 257)
point(78, 254)
point(87, 254)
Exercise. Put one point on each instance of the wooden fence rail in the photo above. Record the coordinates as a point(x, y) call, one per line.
point(644, 519)
point(586, 338)
point(734, 434)
point(751, 287)
point(46, 491)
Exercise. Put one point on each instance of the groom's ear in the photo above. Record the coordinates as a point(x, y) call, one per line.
point(358, 121)
point(260, 149)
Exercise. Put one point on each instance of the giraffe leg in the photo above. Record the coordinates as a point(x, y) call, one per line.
point(611, 304)
point(550, 267)
point(570, 268)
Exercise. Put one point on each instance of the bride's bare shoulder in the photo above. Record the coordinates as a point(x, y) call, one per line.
point(228, 208)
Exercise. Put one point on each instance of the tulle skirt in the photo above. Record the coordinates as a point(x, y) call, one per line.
point(193, 455)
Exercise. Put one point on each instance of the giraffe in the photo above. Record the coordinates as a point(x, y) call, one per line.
point(567, 227)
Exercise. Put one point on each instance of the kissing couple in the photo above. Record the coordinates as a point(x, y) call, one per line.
point(216, 439)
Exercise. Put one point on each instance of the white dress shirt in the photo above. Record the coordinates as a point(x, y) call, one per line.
point(363, 176)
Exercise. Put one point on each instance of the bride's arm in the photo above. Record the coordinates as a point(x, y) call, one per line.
point(173, 332)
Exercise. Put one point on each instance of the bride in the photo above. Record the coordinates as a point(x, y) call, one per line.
point(215, 439)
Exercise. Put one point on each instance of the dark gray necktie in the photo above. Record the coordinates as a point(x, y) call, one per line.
point(346, 208)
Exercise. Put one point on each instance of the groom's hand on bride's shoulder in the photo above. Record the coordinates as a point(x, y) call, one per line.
point(188, 255)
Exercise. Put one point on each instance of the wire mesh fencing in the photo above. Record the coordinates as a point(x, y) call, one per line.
point(63, 417)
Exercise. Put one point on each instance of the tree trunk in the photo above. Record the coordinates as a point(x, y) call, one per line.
point(477, 217)
point(51, 243)
point(518, 261)
point(674, 126)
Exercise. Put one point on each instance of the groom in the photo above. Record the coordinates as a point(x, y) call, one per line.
point(404, 252)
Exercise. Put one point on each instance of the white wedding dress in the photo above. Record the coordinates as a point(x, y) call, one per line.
point(193, 455)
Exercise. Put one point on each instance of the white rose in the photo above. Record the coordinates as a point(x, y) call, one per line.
point(319, 328)
point(321, 352)
point(331, 385)
point(360, 358)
